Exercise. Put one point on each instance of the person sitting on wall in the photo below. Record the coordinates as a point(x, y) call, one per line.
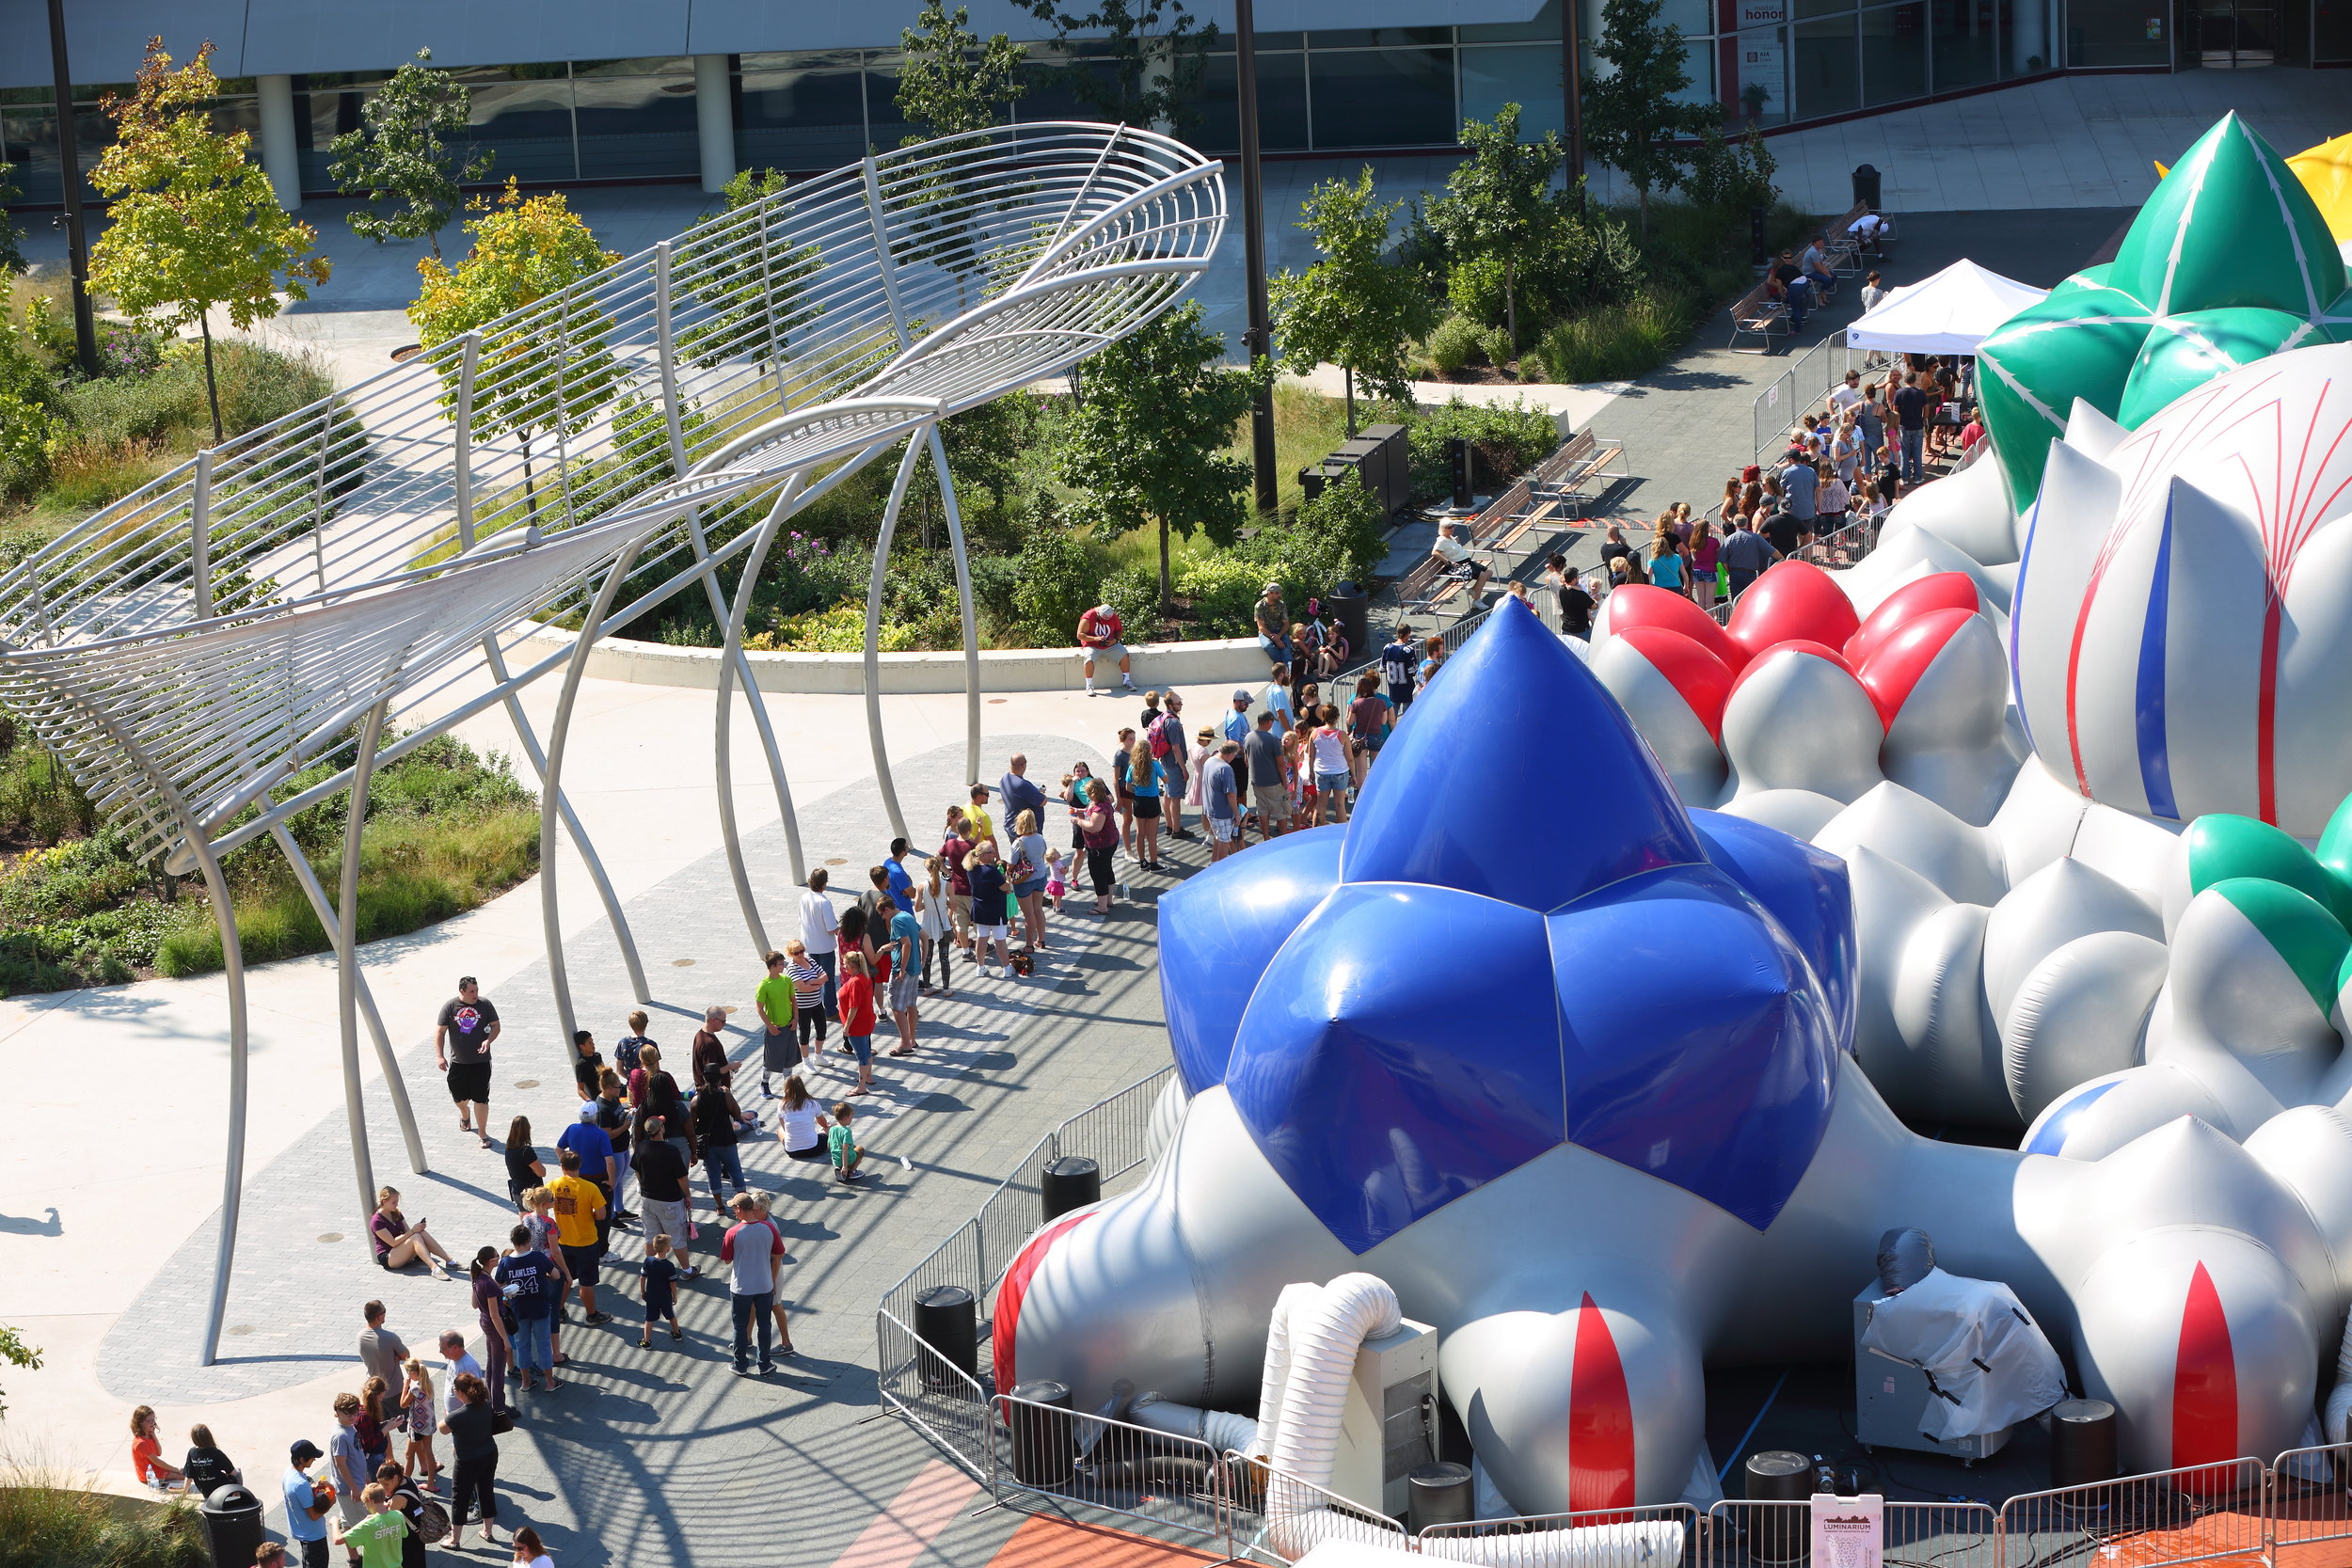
point(1098, 637)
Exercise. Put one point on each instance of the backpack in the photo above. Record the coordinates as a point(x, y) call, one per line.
point(1157, 735)
point(427, 1517)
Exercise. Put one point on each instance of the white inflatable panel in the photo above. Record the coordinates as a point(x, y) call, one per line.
point(1798, 813)
point(2233, 999)
point(2211, 719)
point(2064, 900)
point(2308, 1149)
point(1676, 734)
point(1945, 742)
point(1938, 1004)
point(1796, 721)
point(2063, 532)
point(2144, 855)
point(1968, 511)
point(1964, 862)
point(2038, 821)
point(2078, 1015)
point(2313, 737)
point(1890, 902)
point(2092, 433)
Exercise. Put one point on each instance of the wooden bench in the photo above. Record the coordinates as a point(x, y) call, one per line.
point(1759, 316)
point(1587, 458)
point(1428, 586)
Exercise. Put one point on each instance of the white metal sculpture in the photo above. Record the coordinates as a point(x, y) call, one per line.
point(192, 648)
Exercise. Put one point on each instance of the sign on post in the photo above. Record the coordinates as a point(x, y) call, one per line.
point(1846, 1530)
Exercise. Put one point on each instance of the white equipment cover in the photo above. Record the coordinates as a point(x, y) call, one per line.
point(1986, 1359)
point(1949, 313)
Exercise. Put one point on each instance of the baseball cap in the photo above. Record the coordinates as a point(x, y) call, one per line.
point(587, 1110)
point(304, 1451)
point(1241, 695)
point(1105, 610)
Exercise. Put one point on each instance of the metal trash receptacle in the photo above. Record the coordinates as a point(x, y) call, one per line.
point(232, 1518)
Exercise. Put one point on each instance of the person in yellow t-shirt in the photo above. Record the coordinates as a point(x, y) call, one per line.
point(578, 1203)
point(984, 827)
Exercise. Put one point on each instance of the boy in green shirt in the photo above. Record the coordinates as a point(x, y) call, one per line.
point(847, 1152)
point(778, 1051)
point(378, 1536)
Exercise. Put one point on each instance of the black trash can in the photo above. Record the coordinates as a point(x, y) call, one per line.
point(1865, 187)
point(1044, 1439)
point(2082, 1443)
point(232, 1526)
point(1780, 1534)
point(1458, 459)
point(1438, 1493)
point(1067, 1183)
point(1352, 608)
point(947, 1319)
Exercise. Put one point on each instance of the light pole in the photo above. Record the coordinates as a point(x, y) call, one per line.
point(69, 176)
point(1572, 93)
point(1258, 340)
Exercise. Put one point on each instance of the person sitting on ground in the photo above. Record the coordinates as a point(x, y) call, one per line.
point(398, 1243)
point(1098, 637)
point(207, 1469)
point(847, 1152)
point(146, 1454)
point(1460, 564)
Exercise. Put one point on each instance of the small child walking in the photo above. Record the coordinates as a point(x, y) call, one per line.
point(660, 1283)
point(1056, 878)
point(847, 1152)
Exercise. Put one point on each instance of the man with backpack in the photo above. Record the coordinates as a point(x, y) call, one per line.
point(1165, 734)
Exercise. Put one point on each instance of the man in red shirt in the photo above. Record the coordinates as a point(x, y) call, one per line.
point(1098, 637)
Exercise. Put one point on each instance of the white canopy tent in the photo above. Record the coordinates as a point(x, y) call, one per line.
point(1949, 313)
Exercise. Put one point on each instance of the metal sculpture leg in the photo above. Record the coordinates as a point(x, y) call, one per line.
point(557, 735)
point(610, 899)
point(348, 966)
point(873, 637)
point(321, 906)
point(963, 603)
point(731, 649)
point(233, 1176)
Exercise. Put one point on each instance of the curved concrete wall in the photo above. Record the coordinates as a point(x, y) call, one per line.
point(1160, 664)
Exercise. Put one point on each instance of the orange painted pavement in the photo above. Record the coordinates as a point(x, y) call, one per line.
point(911, 1520)
point(1048, 1542)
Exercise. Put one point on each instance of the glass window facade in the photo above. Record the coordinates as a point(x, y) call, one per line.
point(1765, 62)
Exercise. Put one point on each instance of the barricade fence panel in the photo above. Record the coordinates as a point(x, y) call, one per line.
point(927, 1389)
point(1662, 1535)
point(2200, 1513)
point(2309, 1505)
point(1275, 1517)
point(1172, 1483)
point(1939, 1535)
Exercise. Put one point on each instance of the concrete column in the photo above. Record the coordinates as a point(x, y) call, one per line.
point(279, 160)
point(2029, 36)
point(714, 119)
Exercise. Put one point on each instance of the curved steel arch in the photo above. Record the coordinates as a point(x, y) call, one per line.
point(190, 649)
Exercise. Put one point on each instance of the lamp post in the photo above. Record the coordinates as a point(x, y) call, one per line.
point(69, 176)
point(1572, 93)
point(1258, 340)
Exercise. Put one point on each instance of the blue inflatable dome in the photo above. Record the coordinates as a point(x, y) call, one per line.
point(1522, 939)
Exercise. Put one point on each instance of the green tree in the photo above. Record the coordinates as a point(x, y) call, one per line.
point(1635, 120)
point(1731, 173)
point(953, 82)
point(400, 153)
point(756, 297)
point(1147, 444)
point(11, 237)
point(1356, 308)
point(1500, 201)
point(194, 224)
point(1139, 61)
point(551, 372)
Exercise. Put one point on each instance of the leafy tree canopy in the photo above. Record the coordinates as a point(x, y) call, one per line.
point(400, 154)
point(1139, 62)
point(952, 81)
point(1501, 202)
point(1356, 308)
point(1635, 120)
point(195, 224)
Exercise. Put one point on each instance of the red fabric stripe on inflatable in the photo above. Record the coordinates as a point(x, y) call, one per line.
point(2267, 714)
point(1025, 1263)
point(1600, 1418)
point(2204, 1380)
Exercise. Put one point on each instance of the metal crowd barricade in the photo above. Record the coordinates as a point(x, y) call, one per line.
point(2309, 1504)
point(2198, 1513)
point(934, 1394)
point(1939, 1535)
point(1172, 1484)
point(1275, 1517)
point(1743, 1534)
point(1661, 1535)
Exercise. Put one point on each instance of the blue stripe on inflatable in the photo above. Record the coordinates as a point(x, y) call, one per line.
point(2052, 1139)
point(2155, 761)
